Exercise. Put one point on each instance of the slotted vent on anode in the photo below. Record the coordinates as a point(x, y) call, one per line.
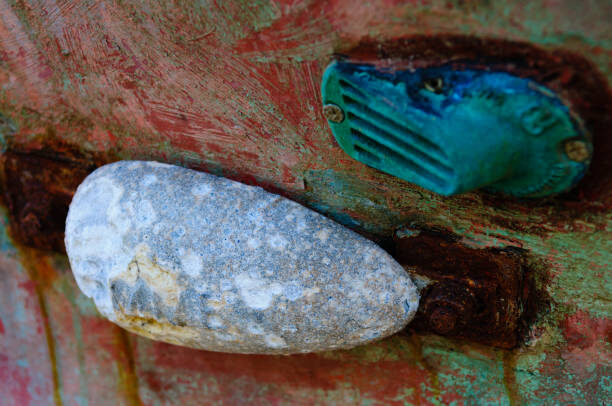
point(383, 141)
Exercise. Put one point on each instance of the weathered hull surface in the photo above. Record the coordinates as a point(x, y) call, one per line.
point(233, 88)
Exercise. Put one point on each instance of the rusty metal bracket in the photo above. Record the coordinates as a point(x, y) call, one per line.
point(471, 293)
point(38, 181)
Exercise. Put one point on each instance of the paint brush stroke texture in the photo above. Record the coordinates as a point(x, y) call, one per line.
point(232, 87)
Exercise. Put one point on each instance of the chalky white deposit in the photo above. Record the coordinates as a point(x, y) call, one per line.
point(197, 260)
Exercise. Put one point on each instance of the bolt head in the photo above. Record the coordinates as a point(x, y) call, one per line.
point(30, 223)
point(333, 113)
point(443, 320)
point(577, 150)
point(434, 85)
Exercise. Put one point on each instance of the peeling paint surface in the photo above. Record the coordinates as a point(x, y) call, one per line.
point(232, 88)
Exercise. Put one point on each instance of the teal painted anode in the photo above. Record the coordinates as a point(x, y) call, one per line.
point(452, 131)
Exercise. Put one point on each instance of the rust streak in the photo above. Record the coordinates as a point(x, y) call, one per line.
point(512, 387)
point(32, 260)
point(127, 368)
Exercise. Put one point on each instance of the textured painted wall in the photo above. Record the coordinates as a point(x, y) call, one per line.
point(233, 88)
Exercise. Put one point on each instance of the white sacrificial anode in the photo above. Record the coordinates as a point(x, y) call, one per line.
point(197, 260)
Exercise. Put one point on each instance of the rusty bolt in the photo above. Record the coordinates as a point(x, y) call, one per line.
point(30, 224)
point(443, 319)
point(333, 113)
point(577, 150)
point(448, 305)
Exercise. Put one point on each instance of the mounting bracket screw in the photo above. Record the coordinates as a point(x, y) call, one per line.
point(449, 305)
point(577, 150)
point(443, 320)
point(333, 113)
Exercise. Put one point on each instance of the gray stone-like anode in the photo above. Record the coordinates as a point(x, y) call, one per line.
point(193, 259)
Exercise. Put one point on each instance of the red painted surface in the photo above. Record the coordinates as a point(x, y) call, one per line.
point(232, 87)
